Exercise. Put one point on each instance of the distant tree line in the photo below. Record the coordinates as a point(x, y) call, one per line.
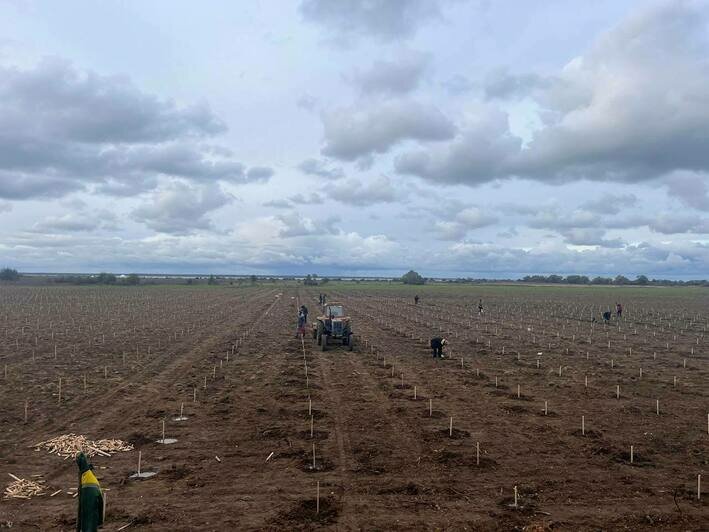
point(618, 280)
point(8, 274)
point(101, 278)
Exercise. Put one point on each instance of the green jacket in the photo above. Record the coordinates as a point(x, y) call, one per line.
point(90, 514)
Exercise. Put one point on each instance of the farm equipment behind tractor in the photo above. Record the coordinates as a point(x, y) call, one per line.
point(333, 326)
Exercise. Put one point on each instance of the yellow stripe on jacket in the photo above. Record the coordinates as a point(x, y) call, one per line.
point(89, 479)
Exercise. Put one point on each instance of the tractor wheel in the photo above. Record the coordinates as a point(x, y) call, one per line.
point(350, 342)
point(323, 342)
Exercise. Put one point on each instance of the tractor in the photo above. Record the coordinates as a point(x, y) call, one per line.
point(333, 326)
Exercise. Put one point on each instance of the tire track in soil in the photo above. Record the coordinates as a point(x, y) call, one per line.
point(380, 449)
point(109, 413)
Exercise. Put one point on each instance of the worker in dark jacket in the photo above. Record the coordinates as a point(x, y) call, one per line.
point(416, 299)
point(607, 316)
point(437, 345)
point(304, 312)
point(90, 515)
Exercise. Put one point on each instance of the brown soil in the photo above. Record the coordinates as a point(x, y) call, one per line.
point(383, 462)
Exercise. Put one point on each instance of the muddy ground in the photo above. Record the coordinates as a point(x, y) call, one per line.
point(385, 458)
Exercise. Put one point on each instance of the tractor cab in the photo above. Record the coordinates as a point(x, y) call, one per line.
point(333, 310)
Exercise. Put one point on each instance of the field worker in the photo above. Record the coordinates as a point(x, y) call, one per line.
point(607, 316)
point(618, 310)
point(302, 318)
point(480, 308)
point(416, 299)
point(437, 345)
point(319, 299)
point(90, 515)
point(304, 310)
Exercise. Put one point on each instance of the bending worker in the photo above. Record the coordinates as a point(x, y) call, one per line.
point(90, 514)
point(437, 346)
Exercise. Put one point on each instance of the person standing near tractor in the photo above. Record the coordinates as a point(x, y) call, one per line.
point(618, 310)
point(416, 299)
point(302, 320)
point(91, 505)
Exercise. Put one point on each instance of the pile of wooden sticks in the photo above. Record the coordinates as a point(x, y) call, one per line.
point(21, 488)
point(68, 445)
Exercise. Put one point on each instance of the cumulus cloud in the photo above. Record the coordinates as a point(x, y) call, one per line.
point(502, 84)
point(277, 204)
point(610, 203)
point(307, 199)
point(384, 20)
point(477, 155)
point(182, 208)
point(5, 206)
point(690, 188)
point(72, 222)
point(259, 173)
point(634, 106)
point(294, 224)
point(357, 132)
point(65, 129)
point(651, 259)
point(672, 223)
point(320, 168)
point(590, 237)
point(631, 109)
point(354, 192)
point(464, 221)
point(395, 77)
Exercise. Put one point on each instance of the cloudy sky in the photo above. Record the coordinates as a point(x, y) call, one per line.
point(455, 137)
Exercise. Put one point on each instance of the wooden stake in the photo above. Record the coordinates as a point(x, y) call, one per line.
point(60, 389)
point(546, 409)
point(194, 394)
point(414, 393)
point(583, 425)
point(515, 496)
point(140, 456)
point(631, 454)
point(617, 391)
point(430, 407)
point(317, 499)
point(313, 456)
point(657, 406)
point(699, 487)
point(26, 405)
point(311, 426)
point(450, 429)
point(477, 453)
